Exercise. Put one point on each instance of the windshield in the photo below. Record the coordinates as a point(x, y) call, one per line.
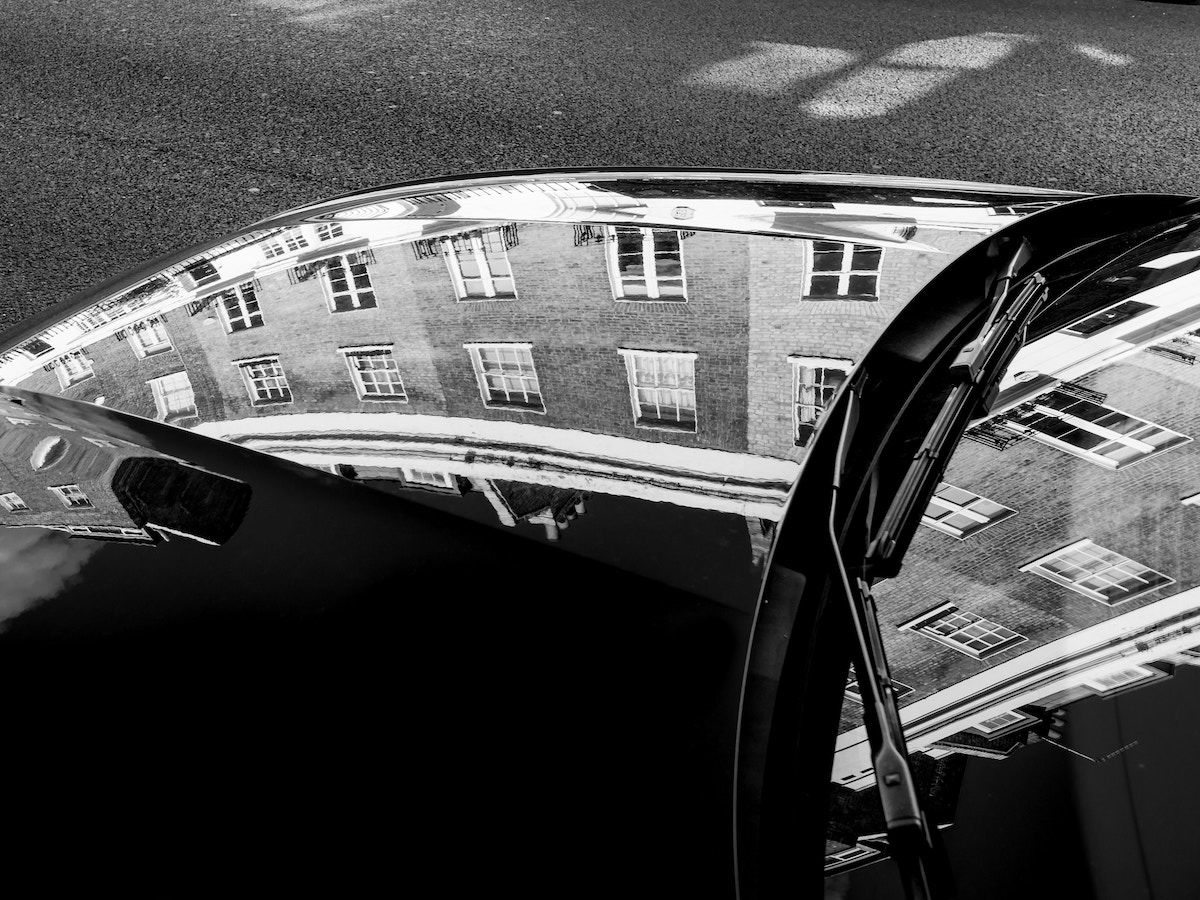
point(1044, 627)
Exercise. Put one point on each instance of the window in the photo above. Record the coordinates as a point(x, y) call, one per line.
point(73, 368)
point(1003, 721)
point(964, 631)
point(960, 513)
point(239, 308)
point(645, 264)
point(1103, 575)
point(348, 283)
point(814, 382)
point(479, 267)
point(265, 381)
point(202, 273)
point(18, 420)
point(375, 373)
point(149, 337)
point(13, 503)
point(1109, 318)
point(843, 271)
point(662, 386)
point(853, 692)
point(329, 231)
point(173, 397)
point(1114, 681)
point(426, 477)
point(288, 242)
point(1099, 434)
point(506, 375)
point(35, 347)
point(71, 496)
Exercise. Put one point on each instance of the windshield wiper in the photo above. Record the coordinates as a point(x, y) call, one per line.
point(978, 367)
point(980, 364)
point(910, 838)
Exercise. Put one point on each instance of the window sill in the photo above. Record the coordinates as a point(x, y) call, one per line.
point(655, 425)
point(862, 298)
point(515, 407)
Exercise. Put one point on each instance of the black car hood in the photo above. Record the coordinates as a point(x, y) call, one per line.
point(583, 400)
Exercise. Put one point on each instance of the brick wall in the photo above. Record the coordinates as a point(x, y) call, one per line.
point(1059, 499)
point(85, 464)
point(783, 324)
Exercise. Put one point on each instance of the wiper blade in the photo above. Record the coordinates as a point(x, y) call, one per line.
point(980, 364)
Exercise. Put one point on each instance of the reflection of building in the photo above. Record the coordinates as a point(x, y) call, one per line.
point(560, 357)
point(68, 478)
point(1058, 560)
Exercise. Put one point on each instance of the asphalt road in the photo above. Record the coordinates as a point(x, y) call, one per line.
point(128, 129)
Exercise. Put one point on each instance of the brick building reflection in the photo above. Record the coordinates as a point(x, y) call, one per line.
point(68, 478)
point(547, 365)
point(573, 359)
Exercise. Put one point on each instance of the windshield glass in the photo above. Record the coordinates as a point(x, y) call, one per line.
point(1046, 623)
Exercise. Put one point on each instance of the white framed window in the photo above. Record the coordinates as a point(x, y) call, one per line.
point(348, 283)
point(288, 242)
point(815, 381)
point(841, 271)
point(71, 496)
point(965, 631)
point(662, 388)
point(149, 337)
point(1092, 431)
point(427, 477)
point(960, 513)
point(645, 263)
point(329, 231)
point(173, 396)
point(1103, 575)
point(35, 347)
point(375, 373)
point(1193, 500)
point(13, 503)
point(479, 267)
point(18, 420)
point(239, 308)
point(264, 379)
point(73, 368)
point(1001, 722)
point(202, 273)
point(506, 375)
point(1115, 681)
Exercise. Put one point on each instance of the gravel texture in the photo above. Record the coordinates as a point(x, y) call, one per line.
point(128, 129)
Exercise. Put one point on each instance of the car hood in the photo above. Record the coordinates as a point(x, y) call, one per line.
point(497, 464)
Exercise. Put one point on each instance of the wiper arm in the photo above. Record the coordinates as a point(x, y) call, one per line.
point(910, 839)
point(980, 364)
